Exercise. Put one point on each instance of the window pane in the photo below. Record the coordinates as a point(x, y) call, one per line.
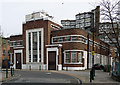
point(74, 57)
point(67, 38)
point(34, 46)
point(67, 57)
point(80, 38)
point(74, 38)
point(34, 58)
point(80, 57)
point(29, 37)
point(54, 39)
point(39, 46)
point(34, 40)
point(60, 39)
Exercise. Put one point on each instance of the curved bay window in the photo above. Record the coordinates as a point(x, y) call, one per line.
point(73, 57)
point(69, 38)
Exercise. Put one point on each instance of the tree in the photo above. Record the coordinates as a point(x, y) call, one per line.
point(111, 13)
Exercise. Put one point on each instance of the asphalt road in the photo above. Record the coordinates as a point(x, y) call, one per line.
point(42, 78)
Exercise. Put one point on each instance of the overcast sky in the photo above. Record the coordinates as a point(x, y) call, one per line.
point(12, 12)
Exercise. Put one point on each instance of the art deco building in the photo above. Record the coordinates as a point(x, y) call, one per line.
point(45, 45)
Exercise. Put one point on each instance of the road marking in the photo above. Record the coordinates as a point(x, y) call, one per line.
point(48, 73)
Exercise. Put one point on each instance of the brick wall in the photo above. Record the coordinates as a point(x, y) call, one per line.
point(46, 25)
point(15, 38)
point(78, 45)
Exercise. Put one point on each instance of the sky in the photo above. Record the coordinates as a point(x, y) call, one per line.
point(12, 12)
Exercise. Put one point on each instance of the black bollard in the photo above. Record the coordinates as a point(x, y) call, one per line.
point(90, 75)
point(7, 72)
point(11, 72)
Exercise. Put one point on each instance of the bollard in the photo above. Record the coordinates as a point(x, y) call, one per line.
point(29, 67)
point(6, 72)
point(12, 73)
point(40, 67)
point(94, 72)
point(13, 70)
point(66, 68)
point(57, 67)
point(90, 75)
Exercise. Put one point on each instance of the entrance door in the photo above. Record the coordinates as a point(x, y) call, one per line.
point(51, 60)
point(18, 60)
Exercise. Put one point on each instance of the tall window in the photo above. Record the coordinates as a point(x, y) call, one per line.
point(29, 46)
point(74, 57)
point(67, 57)
point(80, 57)
point(39, 46)
point(34, 46)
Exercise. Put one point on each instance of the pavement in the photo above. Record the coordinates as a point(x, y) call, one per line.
point(84, 76)
point(3, 76)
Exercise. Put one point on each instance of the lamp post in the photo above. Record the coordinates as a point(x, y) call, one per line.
point(93, 49)
point(88, 51)
point(93, 30)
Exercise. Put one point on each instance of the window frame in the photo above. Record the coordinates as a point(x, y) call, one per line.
point(71, 57)
point(74, 38)
point(81, 57)
point(66, 57)
point(60, 39)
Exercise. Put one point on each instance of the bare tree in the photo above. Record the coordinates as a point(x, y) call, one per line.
point(111, 13)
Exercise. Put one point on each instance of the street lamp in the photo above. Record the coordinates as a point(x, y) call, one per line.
point(88, 51)
point(93, 30)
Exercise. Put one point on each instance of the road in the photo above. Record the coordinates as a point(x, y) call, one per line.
point(43, 77)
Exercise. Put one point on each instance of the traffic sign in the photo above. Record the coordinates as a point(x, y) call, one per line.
point(92, 53)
